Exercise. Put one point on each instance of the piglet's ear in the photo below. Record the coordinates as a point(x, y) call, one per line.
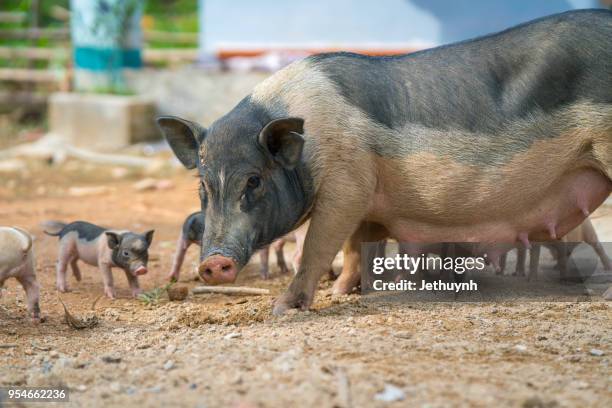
point(183, 136)
point(149, 237)
point(113, 239)
point(282, 138)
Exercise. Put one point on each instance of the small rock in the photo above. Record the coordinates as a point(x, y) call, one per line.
point(155, 390)
point(391, 393)
point(520, 348)
point(111, 359)
point(12, 166)
point(115, 387)
point(581, 385)
point(403, 335)
point(170, 349)
point(596, 352)
point(81, 388)
point(88, 191)
point(53, 354)
point(164, 184)
point(119, 172)
point(169, 365)
point(232, 335)
point(145, 184)
point(119, 330)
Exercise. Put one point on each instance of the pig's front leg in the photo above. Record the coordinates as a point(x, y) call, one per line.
point(107, 277)
point(32, 290)
point(133, 282)
point(333, 221)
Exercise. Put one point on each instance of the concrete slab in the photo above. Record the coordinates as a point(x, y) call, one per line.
point(102, 122)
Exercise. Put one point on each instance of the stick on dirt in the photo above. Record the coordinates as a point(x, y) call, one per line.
point(230, 290)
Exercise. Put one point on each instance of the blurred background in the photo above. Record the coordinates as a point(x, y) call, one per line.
point(93, 73)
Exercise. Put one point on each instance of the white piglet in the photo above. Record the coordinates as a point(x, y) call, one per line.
point(17, 261)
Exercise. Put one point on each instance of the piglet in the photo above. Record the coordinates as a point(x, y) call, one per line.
point(17, 261)
point(101, 247)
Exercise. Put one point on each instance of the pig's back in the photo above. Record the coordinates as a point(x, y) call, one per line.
point(84, 230)
point(480, 85)
point(13, 245)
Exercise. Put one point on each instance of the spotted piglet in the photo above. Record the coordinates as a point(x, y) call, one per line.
point(17, 261)
point(101, 247)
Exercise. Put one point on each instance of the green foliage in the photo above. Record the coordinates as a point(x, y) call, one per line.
point(154, 296)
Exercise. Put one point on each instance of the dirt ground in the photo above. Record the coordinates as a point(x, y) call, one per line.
point(217, 350)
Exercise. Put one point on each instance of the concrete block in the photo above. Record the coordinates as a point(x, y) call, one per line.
point(102, 122)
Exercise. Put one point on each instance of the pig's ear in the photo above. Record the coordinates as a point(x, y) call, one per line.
point(282, 138)
point(149, 237)
point(183, 136)
point(113, 239)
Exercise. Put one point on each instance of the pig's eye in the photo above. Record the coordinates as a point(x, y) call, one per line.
point(126, 253)
point(253, 182)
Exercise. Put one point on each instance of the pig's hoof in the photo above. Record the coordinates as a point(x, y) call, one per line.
point(109, 292)
point(63, 289)
point(172, 277)
point(264, 276)
point(284, 270)
point(136, 292)
point(290, 301)
point(341, 288)
point(37, 319)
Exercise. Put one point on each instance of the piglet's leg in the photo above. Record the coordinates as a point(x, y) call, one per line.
point(75, 269)
point(278, 246)
point(590, 237)
point(133, 281)
point(65, 254)
point(534, 262)
point(32, 290)
point(521, 257)
point(107, 277)
point(179, 257)
point(263, 260)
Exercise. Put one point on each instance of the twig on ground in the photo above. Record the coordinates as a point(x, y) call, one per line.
point(230, 290)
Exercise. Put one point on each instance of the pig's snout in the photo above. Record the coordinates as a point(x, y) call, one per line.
point(218, 269)
point(141, 270)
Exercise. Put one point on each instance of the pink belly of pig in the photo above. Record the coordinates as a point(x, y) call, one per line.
point(562, 209)
point(88, 251)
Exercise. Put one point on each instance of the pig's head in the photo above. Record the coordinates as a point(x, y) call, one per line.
point(130, 251)
point(254, 187)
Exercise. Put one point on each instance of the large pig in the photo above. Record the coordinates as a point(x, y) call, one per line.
point(101, 247)
point(191, 233)
point(500, 139)
point(17, 261)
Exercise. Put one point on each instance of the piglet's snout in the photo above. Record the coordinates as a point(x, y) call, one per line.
point(218, 269)
point(141, 270)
